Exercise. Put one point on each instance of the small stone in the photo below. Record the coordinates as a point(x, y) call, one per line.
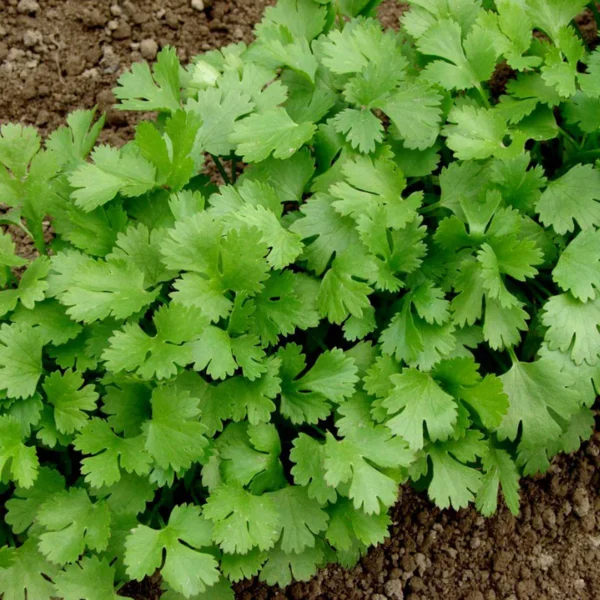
point(581, 502)
point(149, 49)
point(378, 597)
point(75, 65)
point(172, 20)
point(393, 589)
point(116, 10)
point(198, 5)
point(3, 32)
point(502, 560)
point(122, 32)
point(105, 100)
point(27, 7)
point(160, 13)
point(32, 37)
point(113, 24)
point(238, 33)
point(90, 73)
point(42, 117)
point(93, 18)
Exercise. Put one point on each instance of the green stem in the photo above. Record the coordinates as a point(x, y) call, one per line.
point(580, 156)
point(484, 97)
point(319, 430)
point(430, 207)
point(569, 137)
point(513, 356)
point(221, 170)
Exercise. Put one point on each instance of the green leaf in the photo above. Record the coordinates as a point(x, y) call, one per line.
point(20, 359)
point(500, 472)
point(25, 573)
point(572, 198)
point(18, 462)
point(573, 327)
point(22, 508)
point(538, 396)
point(479, 133)
point(455, 483)
point(307, 399)
point(70, 398)
point(139, 89)
point(466, 64)
point(50, 319)
point(111, 454)
point(18, 146)
point(31, 288)
point(273, 132)
point(94, 290)
point(241, 520)
point(282, 568)
point(186, 569)
point(362, 128)
point(357, 459)
point(578, 268)
point(302, 518)
point(72, 523)
point(308, 456)
point(113, 172)
point(417, 403)
point(174, 436)
point(415, 110)
point(89, 579)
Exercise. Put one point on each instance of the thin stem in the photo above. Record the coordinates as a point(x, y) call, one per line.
point(569, 137)
point(430, 207)
point(513, 356)
point(319, 430)
point(221, 170)
point(484, 97)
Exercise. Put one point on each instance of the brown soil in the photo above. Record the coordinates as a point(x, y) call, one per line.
point(59, 55)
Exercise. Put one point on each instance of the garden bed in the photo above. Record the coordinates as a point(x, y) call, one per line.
point(57, 56)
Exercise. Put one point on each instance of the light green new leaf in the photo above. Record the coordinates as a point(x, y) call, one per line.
point(186, 569)
point(282, 568)
point(31, 289)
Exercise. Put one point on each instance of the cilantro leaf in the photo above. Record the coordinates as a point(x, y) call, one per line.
point(31, 288)
point(572, 198)
point(306, 399)
point(70, 398)
point(113, 172)
point(72, 523)
point(20, 359)
point(241, 520)
point(273, 132)
point(357, 459)
point(25, 573)
point(186, 569)
point(282, 568)
point(418, 402)
point(18, 462)
point(538, 396)
point(500, 472)
point(91, 578)
point(174, 436)
point(139, 89)
point(578, 268)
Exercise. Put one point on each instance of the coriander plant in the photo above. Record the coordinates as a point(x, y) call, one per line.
point(398, 280)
